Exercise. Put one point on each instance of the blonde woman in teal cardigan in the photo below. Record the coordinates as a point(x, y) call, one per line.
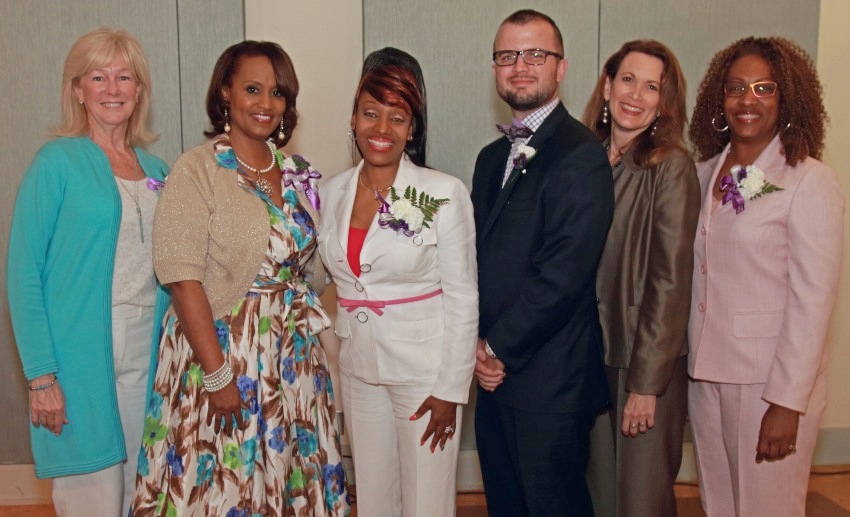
point(80, 278)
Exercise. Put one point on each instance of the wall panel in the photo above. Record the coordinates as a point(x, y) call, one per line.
point(453, 42)
point(35, 37)
point(695, 30)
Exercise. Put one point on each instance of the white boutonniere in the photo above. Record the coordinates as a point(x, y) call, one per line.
point(525, 154)
point(743, 184)
point(409, 213)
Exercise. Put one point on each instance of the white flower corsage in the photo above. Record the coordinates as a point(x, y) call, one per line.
point(743, 184)
point(410, 213)
point(525, 154)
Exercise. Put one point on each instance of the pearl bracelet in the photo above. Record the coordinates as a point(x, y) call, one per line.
point(44, 386)
point(218, 379)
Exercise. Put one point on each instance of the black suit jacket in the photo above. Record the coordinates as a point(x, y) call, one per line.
point(539, 240)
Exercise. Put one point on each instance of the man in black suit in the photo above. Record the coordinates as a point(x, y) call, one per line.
point(543, 199)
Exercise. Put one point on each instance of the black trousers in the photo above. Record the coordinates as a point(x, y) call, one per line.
point(533, 464)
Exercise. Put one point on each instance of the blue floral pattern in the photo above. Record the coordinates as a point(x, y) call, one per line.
point(287, 459)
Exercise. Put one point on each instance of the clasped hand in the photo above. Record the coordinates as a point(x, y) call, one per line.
point(489, 371)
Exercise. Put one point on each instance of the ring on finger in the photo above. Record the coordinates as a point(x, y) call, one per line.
point(633, 426)
point(449, 429)
point(642, 424)
point(792, 447)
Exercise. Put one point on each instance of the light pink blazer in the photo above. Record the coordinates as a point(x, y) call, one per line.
point(430, 341)
point(765, 280)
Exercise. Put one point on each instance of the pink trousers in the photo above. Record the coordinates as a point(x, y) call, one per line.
point(726, 419)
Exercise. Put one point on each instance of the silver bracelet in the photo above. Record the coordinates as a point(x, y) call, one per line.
point(218, 379)
point(44, 386)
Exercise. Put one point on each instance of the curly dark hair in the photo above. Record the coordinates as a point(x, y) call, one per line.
point(227, 66)
point(649, 149)
point(800, 99)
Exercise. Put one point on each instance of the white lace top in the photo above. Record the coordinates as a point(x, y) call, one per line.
point(133, 280)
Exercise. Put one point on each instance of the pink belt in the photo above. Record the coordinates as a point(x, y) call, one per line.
point(376, 305)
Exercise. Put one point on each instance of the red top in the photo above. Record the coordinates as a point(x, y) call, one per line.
point(356, 236)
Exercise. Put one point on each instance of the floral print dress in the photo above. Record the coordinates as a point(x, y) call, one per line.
point(287, 460)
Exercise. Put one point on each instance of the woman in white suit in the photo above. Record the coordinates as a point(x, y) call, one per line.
point(399, 240)
point(766, 262)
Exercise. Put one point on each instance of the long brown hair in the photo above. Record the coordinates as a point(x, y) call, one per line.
point(802, 118)
point(649, 149)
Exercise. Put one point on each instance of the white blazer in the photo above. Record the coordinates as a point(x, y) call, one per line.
point(765, 280)
point(430, 341)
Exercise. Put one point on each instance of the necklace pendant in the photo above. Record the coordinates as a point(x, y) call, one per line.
point(264, 186)
point(141, 226)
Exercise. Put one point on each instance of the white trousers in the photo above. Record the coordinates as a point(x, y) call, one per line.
point(394, 475)
point(108, 492)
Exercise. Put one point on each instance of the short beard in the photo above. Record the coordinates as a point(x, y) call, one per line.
point(526, 102)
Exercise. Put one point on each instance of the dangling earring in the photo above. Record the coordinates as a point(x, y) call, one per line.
point(654, 125)
point(280, 134)
point(714, 124)
point(605, 113)
point(226, 121)
point(352, 136)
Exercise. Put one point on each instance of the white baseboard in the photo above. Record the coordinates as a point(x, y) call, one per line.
point(19, 486)
point(469, 472)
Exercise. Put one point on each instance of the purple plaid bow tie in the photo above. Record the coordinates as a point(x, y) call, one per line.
point(515, 130)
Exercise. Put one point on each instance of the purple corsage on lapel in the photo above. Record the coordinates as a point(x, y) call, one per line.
point(525, 154)
point(743, 184)
point(155, 185)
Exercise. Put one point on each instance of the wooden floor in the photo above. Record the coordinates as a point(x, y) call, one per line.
point(829, 496)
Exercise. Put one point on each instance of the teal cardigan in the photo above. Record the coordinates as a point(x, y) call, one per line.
point(61, 254)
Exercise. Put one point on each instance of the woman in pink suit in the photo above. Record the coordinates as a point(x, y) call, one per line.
point(766, 263)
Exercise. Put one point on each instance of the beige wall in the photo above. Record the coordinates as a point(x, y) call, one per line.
point(324, 39)
point(834, 73)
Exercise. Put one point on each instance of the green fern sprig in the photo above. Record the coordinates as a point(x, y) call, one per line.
point(767, 189)
point(428, 204)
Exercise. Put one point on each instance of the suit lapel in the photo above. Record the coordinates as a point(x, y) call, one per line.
point(405, 176)
point(342, 214)
point(537, 141)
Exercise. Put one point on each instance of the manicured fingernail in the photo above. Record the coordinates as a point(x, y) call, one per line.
point(432, 449)
point(413, 416)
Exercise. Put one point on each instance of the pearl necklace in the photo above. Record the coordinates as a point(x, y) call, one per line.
point(373, 189)
point(259, 171)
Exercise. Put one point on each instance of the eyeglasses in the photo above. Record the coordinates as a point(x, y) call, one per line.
point(531, 56)
point(760, 89)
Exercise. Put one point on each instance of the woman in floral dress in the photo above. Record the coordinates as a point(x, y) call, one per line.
point(240, 418)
